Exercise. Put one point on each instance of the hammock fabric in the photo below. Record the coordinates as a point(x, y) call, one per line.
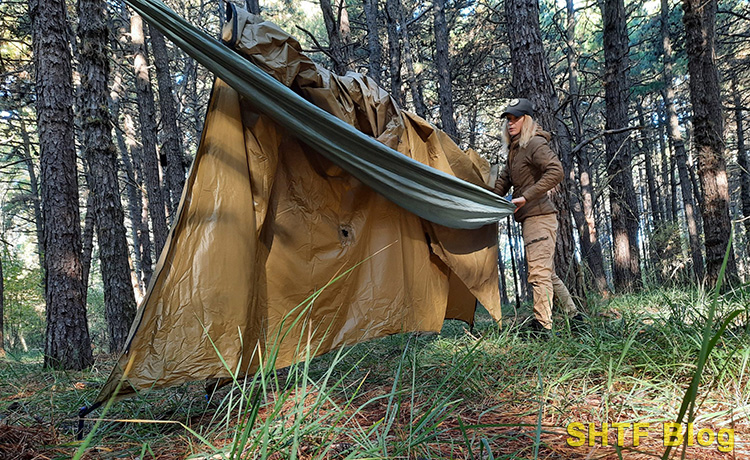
point(291, 190)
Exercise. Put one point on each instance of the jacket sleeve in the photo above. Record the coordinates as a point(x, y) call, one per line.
point(502, 184)
point(552, 172)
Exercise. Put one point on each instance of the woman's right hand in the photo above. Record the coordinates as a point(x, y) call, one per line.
point(519, 202)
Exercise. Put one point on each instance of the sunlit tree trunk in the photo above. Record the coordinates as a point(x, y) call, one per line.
point(67, 341)
point(708, 132)
point(583, 208)
point(147, 117)
point(137, 207)
point(104, 187)
point(126, 142)
point(443, 69)
point(171, 157)
point(339, 36)
point(626, 268)
point(531, 80)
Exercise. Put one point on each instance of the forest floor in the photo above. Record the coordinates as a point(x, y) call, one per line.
point(463, 394)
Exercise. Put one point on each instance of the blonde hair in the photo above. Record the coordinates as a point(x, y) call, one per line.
point(529, 129)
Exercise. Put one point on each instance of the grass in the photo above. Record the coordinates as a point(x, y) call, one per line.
point(475, 394)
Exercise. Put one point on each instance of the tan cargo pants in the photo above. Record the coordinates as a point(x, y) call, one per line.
point(539, 237)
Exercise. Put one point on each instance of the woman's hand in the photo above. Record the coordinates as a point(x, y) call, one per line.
point(519, 202)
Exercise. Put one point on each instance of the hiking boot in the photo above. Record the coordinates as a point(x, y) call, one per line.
point(533, 329)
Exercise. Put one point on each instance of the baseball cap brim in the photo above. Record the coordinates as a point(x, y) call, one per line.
point(519, 107)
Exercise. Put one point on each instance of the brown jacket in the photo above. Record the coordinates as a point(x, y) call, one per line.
point(532, 171)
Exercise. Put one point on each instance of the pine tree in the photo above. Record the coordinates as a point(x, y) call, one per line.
point(67, 341)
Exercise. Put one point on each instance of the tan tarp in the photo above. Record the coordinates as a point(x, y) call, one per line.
point(266, 221)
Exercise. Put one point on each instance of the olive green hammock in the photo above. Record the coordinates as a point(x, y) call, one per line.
point(427, 192)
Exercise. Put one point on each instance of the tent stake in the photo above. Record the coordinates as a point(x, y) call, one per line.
point(82, 413)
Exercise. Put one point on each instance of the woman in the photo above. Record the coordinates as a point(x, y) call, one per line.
point(532, 169)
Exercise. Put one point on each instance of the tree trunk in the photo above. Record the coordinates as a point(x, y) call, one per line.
point(2, 311)
point(138, 228)
point(520, 275)
point(531, 79)
point(653, 196)
point(87, 243)
point(501, 271)
point(688, 202)
point(583, 210)
point(101, 156)
point(411, 77)
point(393, 14)
point(742, 160)
point(131, 191)
point(656, 243)
point(337, 27)
point(443, 68)
point(34, 185)
point(708, 132)
point(172, 162)
point(253, 6)
point(67, 341)
point(626, 264)
point(147, 118)
point(665, 171)
point(373, 40)
point(137, 208)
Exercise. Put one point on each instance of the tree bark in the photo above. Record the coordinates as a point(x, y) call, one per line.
point(146, 112)
point(708, 131)
point(626, 268)
point(101, 156)
point(653, 196)
point(138, 228)
point(171, 158)
point(443, 69)
point(686, 188)
point(339, 41)
point(531, 79)
point(393, 15)
point(373, 40)
point(501, 271)
point(411, 77)
point(582, 209)
point(137, 208)
point(742, 159)
point(34, 185)
point(656, 242)
point(2, 305)
point(87, 243)
point(665, 172)
point(67, 341)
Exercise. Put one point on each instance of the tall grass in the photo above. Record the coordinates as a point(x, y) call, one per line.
point(454, 395)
